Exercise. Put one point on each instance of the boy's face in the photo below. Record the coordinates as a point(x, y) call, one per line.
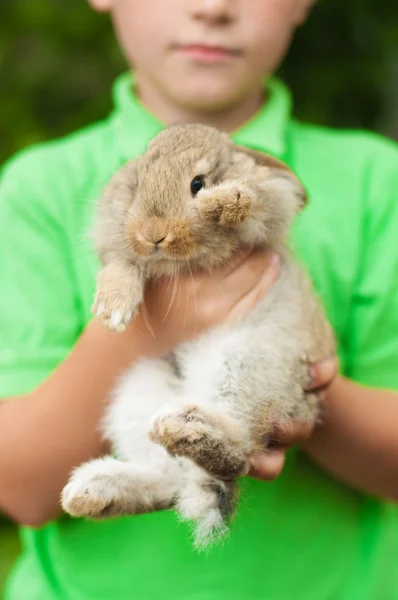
point(204, 54)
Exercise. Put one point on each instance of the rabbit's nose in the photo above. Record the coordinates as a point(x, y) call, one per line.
point(154, 230)
point(155, 240)
point(159, 241)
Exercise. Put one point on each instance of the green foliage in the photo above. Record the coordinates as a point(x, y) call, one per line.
point(59, 59)
point(57, 63)
point(343, 65)
point(9, 548)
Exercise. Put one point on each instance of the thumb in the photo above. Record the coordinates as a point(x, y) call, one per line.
point(268, 465)
point(250, 301)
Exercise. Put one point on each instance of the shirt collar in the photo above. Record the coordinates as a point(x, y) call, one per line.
point(265, 131)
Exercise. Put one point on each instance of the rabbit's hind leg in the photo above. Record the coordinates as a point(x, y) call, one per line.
point(107, 487)
point(146, 478)
point(201, 422)
point(213, 440)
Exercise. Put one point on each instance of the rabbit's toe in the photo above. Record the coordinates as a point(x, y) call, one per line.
point(94, 498)
point(113, 312)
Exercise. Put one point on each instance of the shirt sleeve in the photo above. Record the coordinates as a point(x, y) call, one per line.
point(38, 308)
point(373, 352)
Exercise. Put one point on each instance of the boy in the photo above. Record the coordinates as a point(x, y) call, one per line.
point(306, 535)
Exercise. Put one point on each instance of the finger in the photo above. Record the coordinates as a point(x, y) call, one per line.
point(235, 262)
point(322, 374)
point(255, 294)
point(290, 434)
point(194, 280)
point(249, 270)
point(267, 466)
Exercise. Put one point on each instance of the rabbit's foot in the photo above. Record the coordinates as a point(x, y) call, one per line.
point(212, 441)
point(95, 497)
point(106, 488)
point(113, 311)
point(117, 298)
point(227, 204)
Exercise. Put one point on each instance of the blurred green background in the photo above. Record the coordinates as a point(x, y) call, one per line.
point(58, 60)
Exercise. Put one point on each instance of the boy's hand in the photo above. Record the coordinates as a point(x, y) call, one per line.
point(179, 310)
point(268, 465)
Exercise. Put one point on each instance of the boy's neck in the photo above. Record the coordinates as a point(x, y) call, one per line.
point(225, 119)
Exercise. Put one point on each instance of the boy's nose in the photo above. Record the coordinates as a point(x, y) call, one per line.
point(219, 12)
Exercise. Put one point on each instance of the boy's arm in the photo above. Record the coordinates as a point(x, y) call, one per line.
point(47, 432)
point(43, 433)
point(358, 439)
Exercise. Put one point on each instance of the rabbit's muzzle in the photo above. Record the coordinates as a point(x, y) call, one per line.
point(173, 238)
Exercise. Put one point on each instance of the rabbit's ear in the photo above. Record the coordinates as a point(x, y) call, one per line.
point(278, 169)
point(122, 187)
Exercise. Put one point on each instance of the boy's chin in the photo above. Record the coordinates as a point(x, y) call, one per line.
point(210, 95)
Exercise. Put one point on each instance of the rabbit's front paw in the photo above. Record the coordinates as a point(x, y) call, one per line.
point(225, 204)
point(114, 311)
point(119, 292)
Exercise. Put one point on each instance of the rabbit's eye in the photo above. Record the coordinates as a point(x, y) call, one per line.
point(197, 184)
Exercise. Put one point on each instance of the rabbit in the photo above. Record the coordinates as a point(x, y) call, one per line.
point(183, 428)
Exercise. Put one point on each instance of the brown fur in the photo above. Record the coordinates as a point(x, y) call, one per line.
point(212, 443)
point(151, 224)
point(228, 208)
point(276, 165)
point(172, 237)
point(161, 228)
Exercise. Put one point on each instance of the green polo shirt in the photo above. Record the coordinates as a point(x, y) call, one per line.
point(304, 536)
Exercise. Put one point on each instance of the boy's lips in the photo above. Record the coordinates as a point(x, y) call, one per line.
point(208, 53)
